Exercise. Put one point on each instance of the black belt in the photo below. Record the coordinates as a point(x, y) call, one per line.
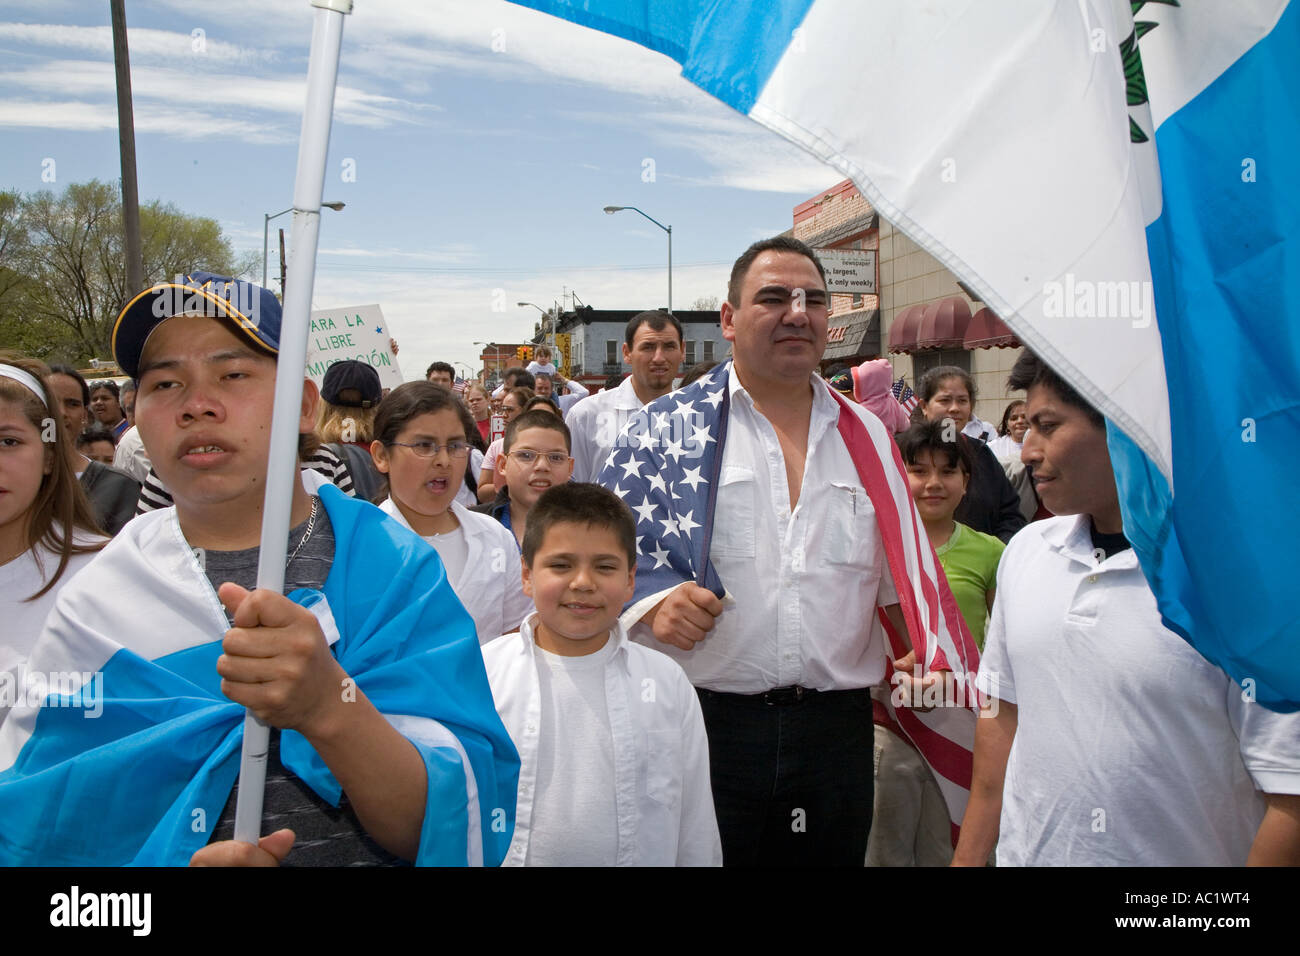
point(781, 696)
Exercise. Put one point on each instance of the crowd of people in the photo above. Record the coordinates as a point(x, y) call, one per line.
point(690, 619)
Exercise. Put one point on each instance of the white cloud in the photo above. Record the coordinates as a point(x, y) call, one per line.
point(142, 43)
point(156, 91)
point(440, 320)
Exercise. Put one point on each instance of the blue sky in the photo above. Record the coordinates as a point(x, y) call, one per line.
point(485, 138)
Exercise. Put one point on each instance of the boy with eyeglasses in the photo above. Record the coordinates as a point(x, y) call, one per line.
point(536, 456)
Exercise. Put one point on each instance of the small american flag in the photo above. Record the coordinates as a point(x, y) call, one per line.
point(905, 396)
point(460, 386)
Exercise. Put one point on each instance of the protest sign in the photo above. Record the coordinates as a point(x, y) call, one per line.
point(357, 332)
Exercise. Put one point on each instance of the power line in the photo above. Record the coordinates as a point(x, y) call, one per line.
point(512, 270)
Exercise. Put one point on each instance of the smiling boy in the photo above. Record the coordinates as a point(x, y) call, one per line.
point(615, 761)
point(185, 642)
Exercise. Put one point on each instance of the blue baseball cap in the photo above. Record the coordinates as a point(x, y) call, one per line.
point(253, 310)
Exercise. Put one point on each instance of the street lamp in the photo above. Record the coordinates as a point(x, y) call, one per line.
point(610, 210)
point(548, 327)
point(266, 230)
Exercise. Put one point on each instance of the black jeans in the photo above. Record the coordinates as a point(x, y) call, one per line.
point(792, 782)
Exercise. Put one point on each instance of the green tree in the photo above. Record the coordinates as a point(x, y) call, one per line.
point(67, 254)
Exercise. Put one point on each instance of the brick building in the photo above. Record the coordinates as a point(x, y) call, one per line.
point(920, 317)
point(596, 340)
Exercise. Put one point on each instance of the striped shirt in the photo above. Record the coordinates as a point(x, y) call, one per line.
point(154, 495)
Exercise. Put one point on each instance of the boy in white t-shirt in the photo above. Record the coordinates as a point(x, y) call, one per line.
point(614, 757)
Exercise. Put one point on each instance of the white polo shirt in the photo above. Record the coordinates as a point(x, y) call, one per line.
point(1131, 749)
point(643, 769)
point(595, 423)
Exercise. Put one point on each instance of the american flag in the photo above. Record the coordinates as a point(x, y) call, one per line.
point(906, 397)
point(666, 466)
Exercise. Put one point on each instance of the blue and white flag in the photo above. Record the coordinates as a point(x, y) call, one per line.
point(131, 758)
point(1120, 192)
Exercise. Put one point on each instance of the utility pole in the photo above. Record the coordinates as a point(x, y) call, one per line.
point(283, 265)
point(126, 144)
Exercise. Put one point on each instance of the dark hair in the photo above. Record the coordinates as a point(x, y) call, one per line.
point(657, 319)
point(536, 419)
point(93, 433)
point(61, 507)
point(109, 384)
point(521, 395)
point(697, 372)
point(537, 376)
point(440, 367)
point(72, 373)
point(409, 401)
point(576, 502)
point(928, 436)
point(518, 378)
point(1030, 370)
point(1006, 415)
point(775, 244)
point(540, 400)
point(932, 380)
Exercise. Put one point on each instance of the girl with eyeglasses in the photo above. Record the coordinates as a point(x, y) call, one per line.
point(422, 446)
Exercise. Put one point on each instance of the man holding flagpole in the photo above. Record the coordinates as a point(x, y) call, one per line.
point(759, 477)
point(386, 746)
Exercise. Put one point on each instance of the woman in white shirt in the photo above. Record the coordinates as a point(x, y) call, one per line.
point(421, 445)
point(47, 529)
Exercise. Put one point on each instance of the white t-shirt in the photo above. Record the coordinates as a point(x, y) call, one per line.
point(575, 820)
point(486, 575)
point(1004, 446)
point(453, 550)
point(24, 620)
point(567, 721)
point(1131, 749)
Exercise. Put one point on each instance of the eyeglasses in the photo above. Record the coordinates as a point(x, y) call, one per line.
point(526, 456)
point(429, 449)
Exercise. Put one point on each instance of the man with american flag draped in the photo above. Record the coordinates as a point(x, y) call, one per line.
point(759, 476)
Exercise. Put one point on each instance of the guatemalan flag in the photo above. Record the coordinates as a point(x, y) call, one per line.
point(134, 764)
point(666, 466)
point(1117, 181)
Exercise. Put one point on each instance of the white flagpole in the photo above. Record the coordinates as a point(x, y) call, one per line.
point(282, 466)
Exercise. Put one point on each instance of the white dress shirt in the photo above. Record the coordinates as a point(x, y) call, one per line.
point(595, 424)
point(577, 392)
point(661, 789)
point(490, 585)
point(130, 455)
point(802, 585)
point(1131, 749)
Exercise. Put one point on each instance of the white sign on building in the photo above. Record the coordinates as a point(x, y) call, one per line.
point(849, 270)
point(353, 332)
